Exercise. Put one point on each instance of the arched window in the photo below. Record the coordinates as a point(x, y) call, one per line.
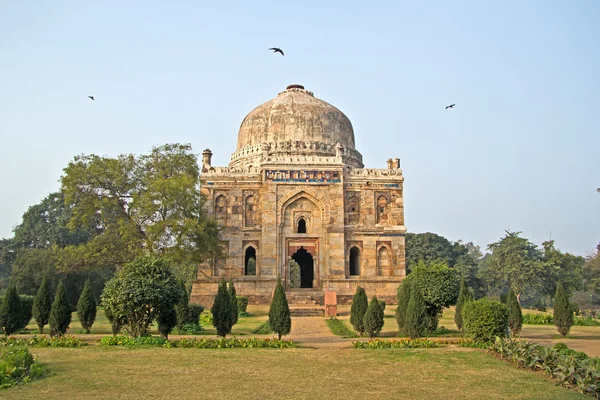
point(221, 205)
point(250, 261)
point(301, 225)
point(354, 261)
point(382, 209)
point(250, 212)
point(383, 260)
point(353, 209)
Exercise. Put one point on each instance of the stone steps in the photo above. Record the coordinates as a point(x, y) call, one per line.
point(307, 311)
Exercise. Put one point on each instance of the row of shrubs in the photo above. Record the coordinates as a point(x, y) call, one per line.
point(399, 344)
point(548, 319)
point(43, 341)
point(571, 369)
point(204, 343)
point(17, 366)
point(16, 311)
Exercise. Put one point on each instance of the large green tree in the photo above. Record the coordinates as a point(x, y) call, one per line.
point(517, 263)
point(429, 247)
point(140, 291)
point(562, 267)
point(591, 272)
point(145, 204)
point(563, 314)
point(438, 284)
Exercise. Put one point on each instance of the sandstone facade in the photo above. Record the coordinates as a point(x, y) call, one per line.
point(296, 188)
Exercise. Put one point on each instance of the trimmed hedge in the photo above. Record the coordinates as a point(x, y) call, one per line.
point(43, 341)
point(221, 343)
point(484, 319)
point(242, 303)
point(399, 344)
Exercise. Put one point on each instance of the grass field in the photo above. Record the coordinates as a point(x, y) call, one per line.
point(95, 372)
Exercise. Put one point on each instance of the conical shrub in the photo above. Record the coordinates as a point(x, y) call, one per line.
point(280, 319)
point(221, 310)
point(515, 316)
point(360, 303)
point(563, 316)
point(60, 314)
point(416, 314)
point(86, 307)
point(233, 304)
point(373, 319)
point(463, 296)
point(182, 308)
point(403, 297)
point(42, 304)
point(10, 311)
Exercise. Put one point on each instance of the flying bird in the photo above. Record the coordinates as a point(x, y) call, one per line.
point(91, 97)
point(277, 50)
point(450, 106)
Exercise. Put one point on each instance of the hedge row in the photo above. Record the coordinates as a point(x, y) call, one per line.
point(43, 341)
point(399, 344)
point(221, 343)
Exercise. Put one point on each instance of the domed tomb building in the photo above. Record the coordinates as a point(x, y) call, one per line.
point(296, 189)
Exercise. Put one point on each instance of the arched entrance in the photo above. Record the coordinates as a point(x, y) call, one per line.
point(305, 260)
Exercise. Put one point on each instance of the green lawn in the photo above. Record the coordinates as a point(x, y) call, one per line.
point(95, 372)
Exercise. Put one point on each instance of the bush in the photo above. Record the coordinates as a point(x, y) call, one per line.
point(571, 369)
point(399, 344)
point(403, 296)
point(86, 307)
point(167, 320)
point(360, 303)
point(221, 310)
point(42, 304)
point(182, 308)
point(294, 274)
point(115, 322)
point(242, 303)
point(439, 286)
point(194, 311)
point(140, 290)
point(18, 366)
point(563, 316)
point(129, 341)
point(224, 343)
point(538, 319)
point(373, 319)
point(26, 311)
point(10, 311)
point(279, 312)
point(60, 314)
point(416, 321)
point(515, 316)
point(251, 268)
point(463, 296)
point(189, 329)
point(263, 329)
point(484, 319)
point(44, 341)
point(540, 305)
point(233, 305)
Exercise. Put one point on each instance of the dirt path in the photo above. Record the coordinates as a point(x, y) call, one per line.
point(314, 332)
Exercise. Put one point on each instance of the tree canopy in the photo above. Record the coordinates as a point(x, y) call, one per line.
point(140, 204)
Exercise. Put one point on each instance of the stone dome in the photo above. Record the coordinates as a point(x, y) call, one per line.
point(295, 123)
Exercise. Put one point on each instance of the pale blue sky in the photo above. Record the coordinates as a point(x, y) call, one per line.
point(519, 152)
